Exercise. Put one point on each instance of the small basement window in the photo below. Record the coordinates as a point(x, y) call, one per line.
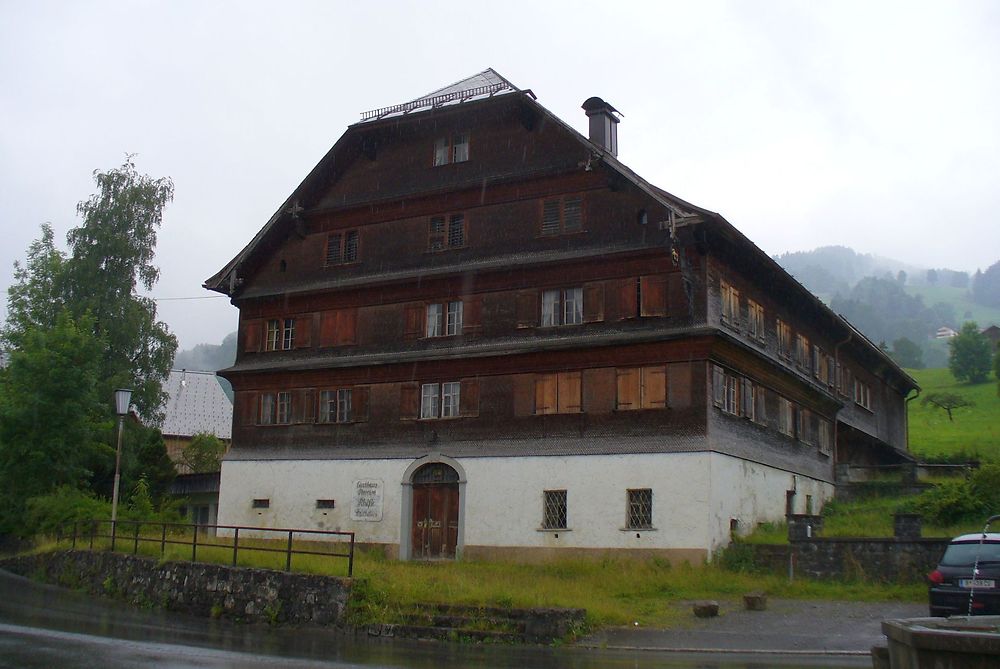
point(326, 503)
point(261, 503)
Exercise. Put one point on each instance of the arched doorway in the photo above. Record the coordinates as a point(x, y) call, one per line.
point(434, 528)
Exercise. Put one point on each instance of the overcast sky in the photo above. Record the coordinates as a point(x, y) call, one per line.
point(866, 124)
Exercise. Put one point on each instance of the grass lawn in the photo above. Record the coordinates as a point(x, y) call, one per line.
point(975, 430)
point(614, 591)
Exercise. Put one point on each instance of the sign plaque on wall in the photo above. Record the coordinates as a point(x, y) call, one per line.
point(367, 502)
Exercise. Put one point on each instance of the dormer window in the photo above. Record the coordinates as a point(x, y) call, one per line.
point(451, 149)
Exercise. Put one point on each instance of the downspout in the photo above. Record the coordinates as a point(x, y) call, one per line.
point(906, 417)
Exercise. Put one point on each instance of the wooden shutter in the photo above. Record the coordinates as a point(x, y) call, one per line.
point(628, 299)
point(246, 407)
point(527, 309)
point(550, 217)
point(347, 326)
point(252, 331)
point(303, 406)
point(409, 401)
point(546, 390)
point(472, 315)
point(328, 328)
point(718, 386)
point(413, 321)
point(303, 331)
point(359, 404)
point(628, 389)
point(654, 387)
point(469, 397)
point(524, 394)
point(746, 398)
point(569, 392)
point(679, 390)
point(593, 302)
point(654, 295)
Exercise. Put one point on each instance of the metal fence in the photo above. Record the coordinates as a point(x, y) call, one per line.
point(198, 536)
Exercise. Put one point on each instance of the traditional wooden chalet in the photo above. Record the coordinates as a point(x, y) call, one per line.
point(472, 330)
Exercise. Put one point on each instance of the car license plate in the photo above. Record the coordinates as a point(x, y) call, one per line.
point(977, 583)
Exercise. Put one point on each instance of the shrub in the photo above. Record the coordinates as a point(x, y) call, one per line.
point(985, 484)
point(47, 513)
point(948, 503)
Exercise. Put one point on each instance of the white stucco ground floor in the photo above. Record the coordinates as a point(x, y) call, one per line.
point(681, 506)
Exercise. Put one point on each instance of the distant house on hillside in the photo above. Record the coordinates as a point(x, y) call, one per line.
point(993, 334)
point(4, 359)
point(945, 332)
point(195, 404)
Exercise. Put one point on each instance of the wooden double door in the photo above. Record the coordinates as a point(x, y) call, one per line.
point(435, 512)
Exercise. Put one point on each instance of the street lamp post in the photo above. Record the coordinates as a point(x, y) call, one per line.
point(123, 397)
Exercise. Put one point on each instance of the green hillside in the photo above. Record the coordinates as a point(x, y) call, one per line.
point(959, 298)
point(975, 430)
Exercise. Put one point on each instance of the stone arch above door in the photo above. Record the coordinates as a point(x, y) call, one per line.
point(434, 488)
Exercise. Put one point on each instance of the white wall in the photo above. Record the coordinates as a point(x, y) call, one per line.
point(694, 497)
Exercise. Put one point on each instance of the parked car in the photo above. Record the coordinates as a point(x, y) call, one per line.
point(953, 582)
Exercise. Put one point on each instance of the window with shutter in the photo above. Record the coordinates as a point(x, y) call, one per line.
point(653, 295)
point(558, 393)
point(451, 149)
point(446, 232)
point(562, 215)
point(562, 306)
point(342, 247)
point(440, 400)
point(272, 337)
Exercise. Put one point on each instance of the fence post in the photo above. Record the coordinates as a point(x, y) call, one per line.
point(114, 534)
point(74, 535)
point(135, 546)
point(163, 540)
point(288, 553)
point(93, 531)
point(350, 558)
point(194, 545)
point(236, 543)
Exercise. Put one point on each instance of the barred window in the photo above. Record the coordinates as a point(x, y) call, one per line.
point(554, 511)
point(640, 509)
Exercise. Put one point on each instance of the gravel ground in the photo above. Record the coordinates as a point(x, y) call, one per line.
point(787, 626)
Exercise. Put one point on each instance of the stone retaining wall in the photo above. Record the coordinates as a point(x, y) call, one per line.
point(887, 560)
point(238, 593)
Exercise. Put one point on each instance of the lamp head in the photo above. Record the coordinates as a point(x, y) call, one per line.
point(123, 397)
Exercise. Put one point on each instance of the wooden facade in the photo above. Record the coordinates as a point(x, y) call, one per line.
point(478, 279)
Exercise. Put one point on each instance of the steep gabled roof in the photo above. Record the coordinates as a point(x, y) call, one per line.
point(480, 86)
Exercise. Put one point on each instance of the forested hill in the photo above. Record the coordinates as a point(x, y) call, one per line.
point(895, 303)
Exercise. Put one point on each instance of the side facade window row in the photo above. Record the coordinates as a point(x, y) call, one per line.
point(638, 509)
point(792, 347)
point(740, 396)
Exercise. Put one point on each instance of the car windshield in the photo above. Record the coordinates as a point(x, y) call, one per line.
point(964, 555)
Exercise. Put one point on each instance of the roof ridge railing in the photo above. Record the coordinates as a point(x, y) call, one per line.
point(436, 100)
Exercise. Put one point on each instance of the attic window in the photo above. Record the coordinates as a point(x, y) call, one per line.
point(562, 215)
point(451, 149)
point(342, 247)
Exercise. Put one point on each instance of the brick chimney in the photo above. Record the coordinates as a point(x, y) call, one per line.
point(603, 124)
